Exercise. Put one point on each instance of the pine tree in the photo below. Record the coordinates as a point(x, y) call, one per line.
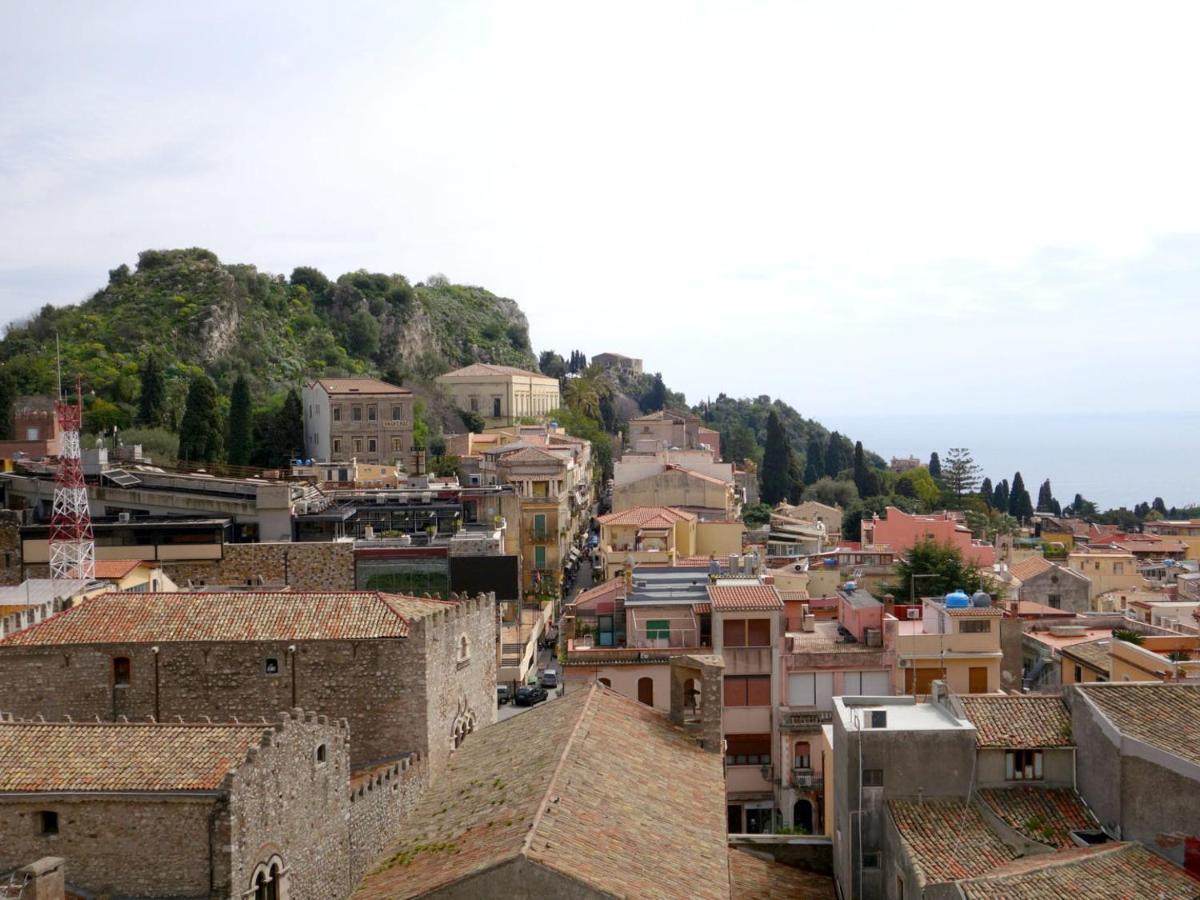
point(773, 477)
point(987, 492)
point(814, 459)
point(200, 427)
point(865, 480)
point(935, 465)
point(153, 400)
point(240, 442)
point(1020, 506)
point(1159, 506)
point(961, 474)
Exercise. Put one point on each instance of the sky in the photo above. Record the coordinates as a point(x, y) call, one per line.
point(888, 208)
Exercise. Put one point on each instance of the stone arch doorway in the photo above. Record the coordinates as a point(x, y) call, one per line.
point(645, 689)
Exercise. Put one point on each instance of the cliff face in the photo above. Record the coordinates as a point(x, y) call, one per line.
point(196, 313)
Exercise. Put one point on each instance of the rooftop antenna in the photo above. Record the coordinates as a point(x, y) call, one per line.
point(72, 546)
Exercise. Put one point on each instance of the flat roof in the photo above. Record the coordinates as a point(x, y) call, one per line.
point(903, 714)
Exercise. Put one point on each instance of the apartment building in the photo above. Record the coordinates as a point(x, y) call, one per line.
point(1107, 569)
point(361, 419)
point(957, 640)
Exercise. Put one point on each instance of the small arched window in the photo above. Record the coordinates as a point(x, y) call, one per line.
point(464, 649)
point(645, 688)
point(320, 753)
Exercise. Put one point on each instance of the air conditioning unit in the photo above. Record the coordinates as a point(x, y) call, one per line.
point(912, 613)
point(905, 663)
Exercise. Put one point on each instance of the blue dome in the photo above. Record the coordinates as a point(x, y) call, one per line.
point(957, 600)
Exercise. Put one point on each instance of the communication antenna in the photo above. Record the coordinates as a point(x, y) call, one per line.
point(72, 545)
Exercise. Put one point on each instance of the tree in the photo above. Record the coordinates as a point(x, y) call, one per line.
point(1045, 500)
point(1083, 508)
point(200, 428)
point(795, 477)
point(362, 335)
point(655, 397)
point(938, 570)
point(961, 474)
point(935, 465)
point(836, 457)
point(8, 395)
point(280, 432)
point(865, 480)
point(832, 493)
point(738, 444)
point(312, 280)
point(986, 525)
point(814, 459)
point(1020, 506)
point(1001, 497)
point(986, 491)
point(241, 424)
point(1159, 506)
point(152, 404)
point(774, 481)
point(551, 364)
point(919, 485)
point(472, 421)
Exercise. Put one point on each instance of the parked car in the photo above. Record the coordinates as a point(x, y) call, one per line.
point(528, 696)
point(503, 694)
point(550, 679)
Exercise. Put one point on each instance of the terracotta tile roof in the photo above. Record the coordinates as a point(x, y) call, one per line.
point(1027, 568)
point(138, 618)
point(1093, 653)
point(611, 590)
point(1047, 815)
point(947, 839)
point(1107, 872)
point(795, 596)
point(1030, 608)
point(476, 369)
point(972, 611)
point(92, 756)
point(1018, 720)
point(336, 386)
point(564, 785)
point(752, 878)
point(1166, 716)
point(701, 608)
point(115, 569)
point(647, 515)
point(732, 597)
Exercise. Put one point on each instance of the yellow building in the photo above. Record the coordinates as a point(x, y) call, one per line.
point(1185, 530)
point(502, 395)
point(1107, 570)
point(1086, 661)
point(679, 488)
point(960, 646)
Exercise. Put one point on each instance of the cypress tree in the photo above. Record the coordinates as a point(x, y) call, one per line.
point(864, 479)
point(795, 478)
point(1020, 506)
point(153, 400)
point(935, 465)
point(987, 492)
point(200, 427)
point(814, 459)
point(1000, 501)
point(1159, 506)
point(288, 438)
point(773, 478)
point(8, 395)
point(1045, 502)
point(241, 424)
point(836, 458)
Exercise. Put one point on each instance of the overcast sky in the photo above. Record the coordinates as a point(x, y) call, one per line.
point(887, 207)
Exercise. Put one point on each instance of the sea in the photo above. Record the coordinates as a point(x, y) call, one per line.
point(1113, 460)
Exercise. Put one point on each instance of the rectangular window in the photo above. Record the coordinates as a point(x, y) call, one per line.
point(474, 404)
point(337, 414)
point(658, 629)
point(271, 665)
point(748, 690)
point(370, 413)
point(735, 632)
point(802, 689)
point(748, 749)
point(1118, 568)
point(877, 718)
point(1023, 765)
point(870, 859)
point(758, 633)
point(358, 445)
point(47, 822)
point(872, 777)
point(397, 413)
point(356, 413)
point(337, 445)
point(852, 684)
point(1054, 600)
point(539, 557)
point(397, 445)
point(121, 671)
point(1078, 674)
point(370, 445)
point(975, 626)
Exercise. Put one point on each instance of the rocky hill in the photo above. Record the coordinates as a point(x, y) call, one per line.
point(195, 312)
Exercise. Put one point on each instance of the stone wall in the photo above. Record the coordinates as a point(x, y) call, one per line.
point(401, 695)
point(378, 803)
point(123, 845)
point(305, 566)
point(286, 804)
point(10, 547)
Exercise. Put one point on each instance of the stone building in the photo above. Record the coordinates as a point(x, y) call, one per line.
point(34, 429)
point(1058, 587)
point(502, 395)
point(362, 419)
point(198, 809)
point(409, 675)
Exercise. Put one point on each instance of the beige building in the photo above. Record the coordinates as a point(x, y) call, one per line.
point(502, 394)
point(958, 645)
point(1107, 570)
point(709, 497)
point(361, 419)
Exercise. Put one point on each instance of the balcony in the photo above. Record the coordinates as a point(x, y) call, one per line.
point(805, 721)
point(540, 535)
point(805, 778)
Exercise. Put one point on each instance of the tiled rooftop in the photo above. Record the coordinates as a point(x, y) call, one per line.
point(93, 756)
point(359, 386)
point(1107, 872)
point(137, 618)
point(549, 785)
point(761, 879)
point(1048, 815)
point(1095, 653)
point(825, 638)
point(1027, 568)
point(115, 568)
point(973, 611)
point(947, 839)
point(1166, 716)
point(1018, 720)
point(727, 598)
point(476, 369)
point(647, 515)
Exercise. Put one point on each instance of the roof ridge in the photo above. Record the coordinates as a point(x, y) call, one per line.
point(527, 844)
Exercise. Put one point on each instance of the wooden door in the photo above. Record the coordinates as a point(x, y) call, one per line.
point(645, 688)
point(977, 679)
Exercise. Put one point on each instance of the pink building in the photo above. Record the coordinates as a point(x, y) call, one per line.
point(901, 531)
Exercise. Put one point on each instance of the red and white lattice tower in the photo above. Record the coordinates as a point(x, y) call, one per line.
point(72, 546)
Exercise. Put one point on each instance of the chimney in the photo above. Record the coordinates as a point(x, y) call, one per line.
point(696, 698)
point(45, 879)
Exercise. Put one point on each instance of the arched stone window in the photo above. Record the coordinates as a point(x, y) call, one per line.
point(692, 694)
point(464, 724)
point(464, 649)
